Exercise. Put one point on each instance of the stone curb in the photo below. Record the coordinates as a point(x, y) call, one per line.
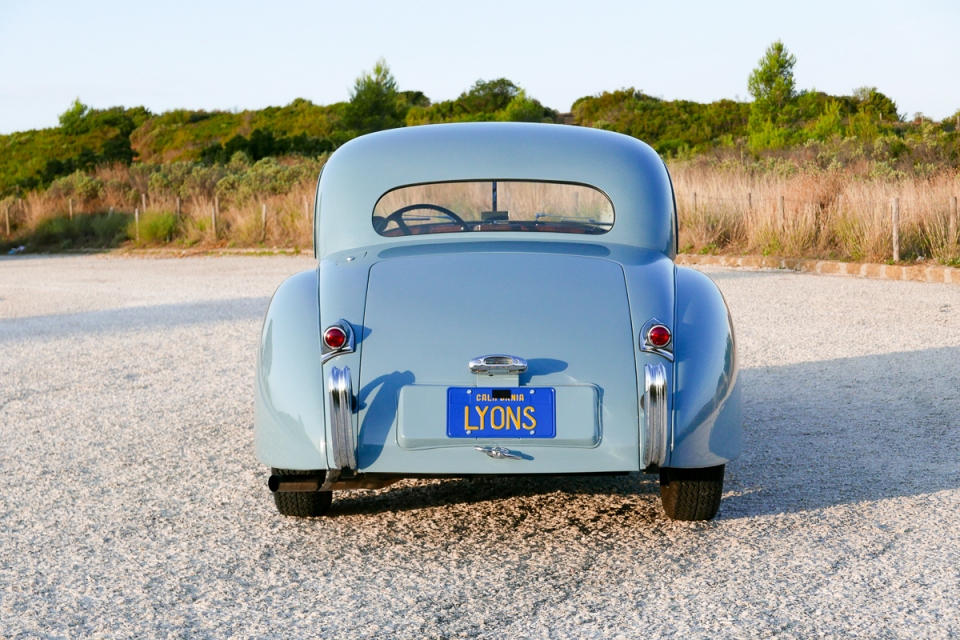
point(917, 273)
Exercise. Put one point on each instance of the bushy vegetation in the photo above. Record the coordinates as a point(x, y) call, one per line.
point(60, 233)
point(85, 139)
point(205, 177)
point(780, 123)
point(671, 127)
point(486, 101)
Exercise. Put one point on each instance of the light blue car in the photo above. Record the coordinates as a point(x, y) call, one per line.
point(496, 299)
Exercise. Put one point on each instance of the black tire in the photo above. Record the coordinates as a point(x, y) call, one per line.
point(301, 504)
point(691, 494)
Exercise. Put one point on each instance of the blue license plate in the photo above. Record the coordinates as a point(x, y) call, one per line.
point(515, 412)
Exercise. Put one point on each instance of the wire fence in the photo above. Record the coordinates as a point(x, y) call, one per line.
point(916, 225)
point(284, 219)
point(795, 218)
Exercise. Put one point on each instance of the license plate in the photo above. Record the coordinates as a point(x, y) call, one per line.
point(515, 412)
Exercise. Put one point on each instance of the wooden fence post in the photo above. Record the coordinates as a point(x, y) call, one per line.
point(749, 200)
point(143, 202)
point(136, 224)
point(694, 200)
point(70, 204)
point(178, 209)
point(263, 220)
point(216, 212)
point(951, 227)
point(896, 229)
point(781, 206)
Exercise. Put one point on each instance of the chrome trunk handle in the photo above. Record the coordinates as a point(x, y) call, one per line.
point(498, 364)
point(499, 453)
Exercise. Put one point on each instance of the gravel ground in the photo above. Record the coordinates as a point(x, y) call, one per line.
point(134, 506)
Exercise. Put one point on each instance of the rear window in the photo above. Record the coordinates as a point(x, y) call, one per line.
point(493, 205)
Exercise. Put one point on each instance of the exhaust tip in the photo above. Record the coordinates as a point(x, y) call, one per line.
point(273, 483)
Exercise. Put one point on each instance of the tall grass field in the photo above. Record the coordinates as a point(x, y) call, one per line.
point(827, 215)
point(723, 207)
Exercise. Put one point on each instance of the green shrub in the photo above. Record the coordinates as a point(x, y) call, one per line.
point(109, 229)
point(84, 231)
point(155, 228)
point(54, 231)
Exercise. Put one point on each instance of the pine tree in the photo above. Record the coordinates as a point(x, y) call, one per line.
point(375, 104)
point(774, 110)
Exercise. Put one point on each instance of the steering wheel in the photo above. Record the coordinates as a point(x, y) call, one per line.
point(397, 216)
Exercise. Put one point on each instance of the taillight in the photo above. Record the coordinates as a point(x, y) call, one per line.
point(658, 335)
point(335, 337)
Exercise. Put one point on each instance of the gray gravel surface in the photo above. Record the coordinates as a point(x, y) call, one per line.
point(132, 504)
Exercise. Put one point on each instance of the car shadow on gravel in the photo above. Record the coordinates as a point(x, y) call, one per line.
point(463, 491)
point(848, 430)
point(816, 435)
point(108, 321)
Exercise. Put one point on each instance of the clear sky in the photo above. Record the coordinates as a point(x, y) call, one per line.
point(248, 55)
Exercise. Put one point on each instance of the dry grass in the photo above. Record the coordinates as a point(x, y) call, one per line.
point(825, 214)
point(240, 222)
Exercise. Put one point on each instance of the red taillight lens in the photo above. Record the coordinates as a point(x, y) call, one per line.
point(658, 335)
point(335, 337)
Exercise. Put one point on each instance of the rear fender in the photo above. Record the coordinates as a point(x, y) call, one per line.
point(289, 399)
point(707, 414)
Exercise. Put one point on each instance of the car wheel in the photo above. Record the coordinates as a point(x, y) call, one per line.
point(691, 494)
point(301, 504)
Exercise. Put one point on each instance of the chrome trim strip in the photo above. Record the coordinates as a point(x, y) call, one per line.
point(329, 479)
point(341, 418)
point(499, 453)
point(326, 353)
point(647, 347)
point(498, 364)
point(655, 415)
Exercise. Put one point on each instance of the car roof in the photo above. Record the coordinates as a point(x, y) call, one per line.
point(627, 170)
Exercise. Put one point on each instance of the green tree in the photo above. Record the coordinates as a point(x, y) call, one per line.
point(872, 102)
point(775, 96)
point(771, 84)
point(829, 123)
point(488, 96)
point(375, 104)
point(524, 109)
point(72, 120)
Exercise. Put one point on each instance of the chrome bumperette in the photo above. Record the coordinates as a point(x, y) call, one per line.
point(499, 453)
point(655, 414)
point(647, 347)
point(498, 364)
point(341, 419)
point(326, 353)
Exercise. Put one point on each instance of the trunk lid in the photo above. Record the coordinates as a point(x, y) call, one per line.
point(428, 315)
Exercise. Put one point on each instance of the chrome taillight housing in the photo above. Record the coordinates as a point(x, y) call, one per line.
point(337, 339)
point(656, 337)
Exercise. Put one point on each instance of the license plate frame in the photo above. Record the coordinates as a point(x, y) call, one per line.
point(525, 413)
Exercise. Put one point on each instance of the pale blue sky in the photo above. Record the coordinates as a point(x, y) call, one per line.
point(248, 55)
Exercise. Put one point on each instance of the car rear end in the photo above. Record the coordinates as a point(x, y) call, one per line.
point(490, 300)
